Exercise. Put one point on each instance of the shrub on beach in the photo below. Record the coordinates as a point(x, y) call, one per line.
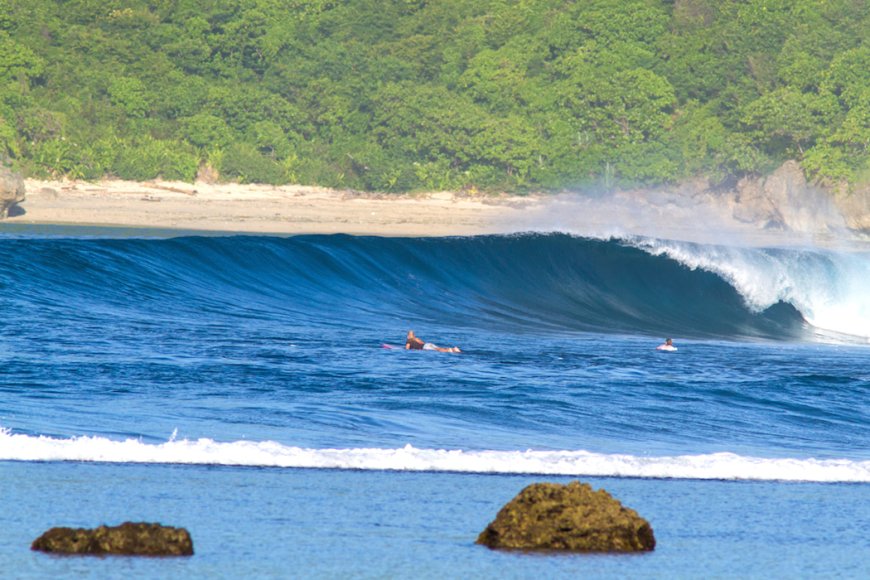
point(244, 163)
point(149, 158)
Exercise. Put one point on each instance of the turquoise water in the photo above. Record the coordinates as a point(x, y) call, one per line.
point(237, 386)
point(290, 523)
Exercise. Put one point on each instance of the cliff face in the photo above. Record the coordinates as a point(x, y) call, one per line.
point(787, 200)
point(784, 200)
point(855, 207)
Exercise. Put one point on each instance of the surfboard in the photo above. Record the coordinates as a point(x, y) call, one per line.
point(666, 347)
point(390, 346)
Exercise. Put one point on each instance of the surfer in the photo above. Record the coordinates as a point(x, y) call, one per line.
point(414, 343)
point(668, 345)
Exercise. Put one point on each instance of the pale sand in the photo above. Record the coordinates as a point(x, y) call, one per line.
point(293, 209)
point(263, 209)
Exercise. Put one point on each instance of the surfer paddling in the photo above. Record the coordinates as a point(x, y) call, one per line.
point(668, 345)
point(414, 343)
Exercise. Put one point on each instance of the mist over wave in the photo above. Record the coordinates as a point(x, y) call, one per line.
point(793, 250)
point(792, 214)
point(16, 447)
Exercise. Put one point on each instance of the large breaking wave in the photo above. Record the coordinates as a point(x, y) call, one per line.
point(532, 281)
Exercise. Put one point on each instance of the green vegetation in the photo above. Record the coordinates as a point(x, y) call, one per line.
point(399, 95)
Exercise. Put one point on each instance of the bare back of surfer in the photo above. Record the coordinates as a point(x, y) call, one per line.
point(414, 343)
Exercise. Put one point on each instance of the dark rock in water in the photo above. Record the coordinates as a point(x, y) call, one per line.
point(572, 517)
point(11, 190)
point(130, 539)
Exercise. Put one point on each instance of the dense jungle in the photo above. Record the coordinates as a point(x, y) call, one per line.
point(412, 95)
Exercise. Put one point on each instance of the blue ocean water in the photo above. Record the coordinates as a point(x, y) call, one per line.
point(238, 386)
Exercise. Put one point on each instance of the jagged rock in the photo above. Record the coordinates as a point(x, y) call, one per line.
point(130, 539)
point(572, 517)
point(855, 207)
point(784, 200)
point(11, 190)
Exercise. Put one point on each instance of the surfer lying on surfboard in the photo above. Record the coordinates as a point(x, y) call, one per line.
point(414, 343)
point(668, 345)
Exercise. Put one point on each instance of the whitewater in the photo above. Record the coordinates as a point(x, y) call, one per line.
point(270, 454)
point(241, 381)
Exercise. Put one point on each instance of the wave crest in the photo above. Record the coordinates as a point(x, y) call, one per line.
point(519, 282)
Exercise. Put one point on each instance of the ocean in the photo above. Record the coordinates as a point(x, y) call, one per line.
point(239, 386)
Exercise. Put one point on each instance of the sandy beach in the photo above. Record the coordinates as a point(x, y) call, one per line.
point(262, 209)
point(803, 218)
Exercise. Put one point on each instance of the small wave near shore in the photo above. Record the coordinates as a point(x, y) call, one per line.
point(723, 466)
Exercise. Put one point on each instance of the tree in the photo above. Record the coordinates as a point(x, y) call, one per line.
point(790, 121)
point(205, 130)
point(18, 62)
point(128, 93)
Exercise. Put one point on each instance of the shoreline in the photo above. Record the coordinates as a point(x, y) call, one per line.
point(261, 209)
point(165, 208)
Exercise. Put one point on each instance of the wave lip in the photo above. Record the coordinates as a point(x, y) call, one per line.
point(714, 466)
point(828, 288)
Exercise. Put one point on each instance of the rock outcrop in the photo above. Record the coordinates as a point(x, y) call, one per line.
point(855, 207)
point(785, 201)
point(11, 190)
point(130, 539)
point(572, 517)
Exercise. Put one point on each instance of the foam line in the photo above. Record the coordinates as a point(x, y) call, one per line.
point(726, 466)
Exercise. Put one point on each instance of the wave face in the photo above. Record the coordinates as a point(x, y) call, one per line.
point(526, 282)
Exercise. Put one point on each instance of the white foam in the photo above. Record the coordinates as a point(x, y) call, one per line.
point(831, 289)
point(728, 466)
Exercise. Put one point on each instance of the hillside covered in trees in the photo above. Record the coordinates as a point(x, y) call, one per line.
point(400, 95)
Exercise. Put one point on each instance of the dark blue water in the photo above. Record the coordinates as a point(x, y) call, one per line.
point(165, 357)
